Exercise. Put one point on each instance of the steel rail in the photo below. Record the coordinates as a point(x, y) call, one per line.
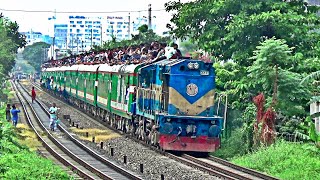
point(89, 150)
point(189, 160)
point(50, 149)
point(242, 169)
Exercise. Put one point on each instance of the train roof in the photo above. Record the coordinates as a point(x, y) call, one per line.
point(169, 62)
point(51, 69)
point(124, 68)
point(129, 68)
point(105, 68)
point(88, 68)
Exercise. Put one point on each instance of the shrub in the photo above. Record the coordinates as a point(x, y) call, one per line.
point(234, 146)
point(28, 165)
point(284, 160)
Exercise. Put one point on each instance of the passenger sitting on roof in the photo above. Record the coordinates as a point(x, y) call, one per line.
point(170, 53)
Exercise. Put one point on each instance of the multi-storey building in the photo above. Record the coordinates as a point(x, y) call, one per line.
point(80, 33)
point(61, 34)
point(139, 21)
point(32, 37)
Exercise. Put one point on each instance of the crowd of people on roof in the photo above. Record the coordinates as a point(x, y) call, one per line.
point(136, 54)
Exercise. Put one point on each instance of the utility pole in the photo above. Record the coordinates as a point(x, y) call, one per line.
point(101, 35)
point(149, 16)
point(82, 46)
point(71, 43)
point(77, 45)
point(129, 28)
point(66, 43)
point(91, 38)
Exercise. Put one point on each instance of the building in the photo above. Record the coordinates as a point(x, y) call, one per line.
point(315, 111)
point(61, 34)
point(32, 37)
point(80, 33)
point(117, 26)
point(139, 21)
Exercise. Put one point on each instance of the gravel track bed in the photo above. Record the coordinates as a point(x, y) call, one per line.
point(154, 164)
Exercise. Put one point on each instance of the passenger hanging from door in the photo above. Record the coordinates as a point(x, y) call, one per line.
point(127, 93)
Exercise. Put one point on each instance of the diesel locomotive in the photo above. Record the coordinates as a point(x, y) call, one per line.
point(171, 104)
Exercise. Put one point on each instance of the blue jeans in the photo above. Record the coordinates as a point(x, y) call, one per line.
point(15, 122)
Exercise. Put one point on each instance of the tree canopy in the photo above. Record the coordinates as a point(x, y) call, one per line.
point(231, 30)
point(34, 54)
point(10, 41)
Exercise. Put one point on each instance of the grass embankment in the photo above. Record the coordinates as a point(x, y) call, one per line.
point(284, 160)
point(17, 161)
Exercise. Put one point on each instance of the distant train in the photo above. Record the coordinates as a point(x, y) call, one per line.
point(171, 104)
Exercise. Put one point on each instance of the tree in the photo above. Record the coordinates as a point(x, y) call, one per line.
point(145, 35)
point(271, 74)
point(231, 30)
point(34, 54)
point(10, 41)
point(12, 32)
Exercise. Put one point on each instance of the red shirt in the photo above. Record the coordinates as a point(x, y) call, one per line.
point(33, 93)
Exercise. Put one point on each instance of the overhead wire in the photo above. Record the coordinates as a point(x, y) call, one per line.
point(75, 12)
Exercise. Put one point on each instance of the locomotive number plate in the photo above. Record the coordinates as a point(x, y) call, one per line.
point(204, 73)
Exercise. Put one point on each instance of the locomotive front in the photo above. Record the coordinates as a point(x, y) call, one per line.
point(192, 119)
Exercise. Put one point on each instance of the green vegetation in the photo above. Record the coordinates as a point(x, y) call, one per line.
point(16, 160)
point(284, 160)
point(10, 41)
point(29, 165)
point(266, 56)
point(34, 54)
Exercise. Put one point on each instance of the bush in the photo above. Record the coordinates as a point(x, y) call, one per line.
point(17, 162)
point(234, 146)
point(284, 160)
point(28, 165)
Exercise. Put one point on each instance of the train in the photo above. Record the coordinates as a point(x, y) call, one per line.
point(171, 104)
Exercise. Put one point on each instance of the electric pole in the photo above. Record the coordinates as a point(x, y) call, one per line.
point(77, 45)
point(129, 27)
point(71, 43)
point(66, 43)
point(91, 38)
point(101, 34)
point(149, 16)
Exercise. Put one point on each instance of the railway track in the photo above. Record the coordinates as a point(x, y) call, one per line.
point(47, 143)
point(229, 170)
point(212, 165)
point(88, 163)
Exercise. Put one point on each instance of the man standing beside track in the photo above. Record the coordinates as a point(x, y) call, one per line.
point(53, 116)
point(14, 113)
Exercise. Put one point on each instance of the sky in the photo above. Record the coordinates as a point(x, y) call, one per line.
point(39, 21)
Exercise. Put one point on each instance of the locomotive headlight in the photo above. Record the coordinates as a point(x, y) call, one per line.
point(196, 65)
point(190, 65)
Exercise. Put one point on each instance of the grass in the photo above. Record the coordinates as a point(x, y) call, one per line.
point(99, 134)
point(284, 160)
point(27, 165)
point(27, 137)
point(16, 159)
